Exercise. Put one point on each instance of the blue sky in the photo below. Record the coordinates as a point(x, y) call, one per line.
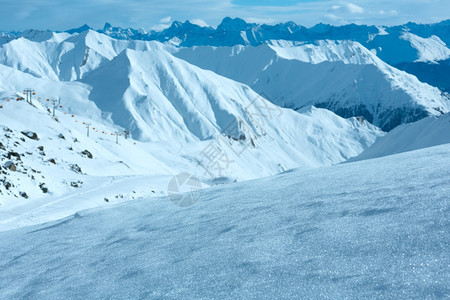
point(157, 14)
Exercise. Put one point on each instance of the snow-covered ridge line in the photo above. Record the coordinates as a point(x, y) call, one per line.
point(260, 33)
point(385, 40)
point(430, 49)
point(280, 69)
point(342, 76)
point(398, 46)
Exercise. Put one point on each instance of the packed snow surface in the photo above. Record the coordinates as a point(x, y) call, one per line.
point(375, 228)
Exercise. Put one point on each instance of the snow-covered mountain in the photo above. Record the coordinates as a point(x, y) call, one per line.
point(50, 157)
point(163, 100)
point(344, 77)
point(231, 32)
point(117, 118)
point(396, 44)
point(64, 57)
point(60, 170)
point(401, 46)
point(291, 74)
point(174, 107)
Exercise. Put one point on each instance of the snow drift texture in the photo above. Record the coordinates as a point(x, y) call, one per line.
point(371, 229)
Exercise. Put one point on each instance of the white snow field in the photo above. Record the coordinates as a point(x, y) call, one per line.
point(371, 229)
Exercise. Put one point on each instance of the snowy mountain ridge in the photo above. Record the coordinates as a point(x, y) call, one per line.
point(404, 47)
point(65, 57)
point(236, 31)
point(342, 76)
point(403, 99)
point(176, 108)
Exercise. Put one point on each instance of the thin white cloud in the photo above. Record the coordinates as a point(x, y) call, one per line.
point(199, 22)
point(260, 20)
point(160, 27)
point(354, 9)
point(166, 20)
point(347, 8)
point(391, 13)
point(164, 23)
point(331, 17)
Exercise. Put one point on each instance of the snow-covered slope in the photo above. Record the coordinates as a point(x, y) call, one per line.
point(430, 49)
point(55, 153)
point(74, 96)
point(372, 229)
point(62, 171)
point(162, 98)
point(181, 109)
point(60, 56)
point(342, 76)
point(427, 132)
point(45, 36)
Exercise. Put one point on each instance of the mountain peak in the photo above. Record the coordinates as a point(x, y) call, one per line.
point(321, 28)
point(176, 25)
point(79, 29)
point(107, 26)
point(229, 24)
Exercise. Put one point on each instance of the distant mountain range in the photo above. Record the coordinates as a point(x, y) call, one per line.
point(419, 49)
point(343, 69)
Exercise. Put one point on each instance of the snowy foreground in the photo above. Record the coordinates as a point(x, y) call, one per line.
point(374, 228)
